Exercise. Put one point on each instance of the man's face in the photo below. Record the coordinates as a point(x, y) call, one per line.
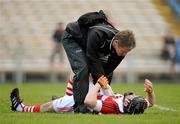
point(134, 104)
point(128, 98)
point(120, 50)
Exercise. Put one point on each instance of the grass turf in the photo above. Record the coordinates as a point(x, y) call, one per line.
point(166, 111)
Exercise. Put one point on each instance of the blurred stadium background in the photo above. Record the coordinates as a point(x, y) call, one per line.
point(26, 28)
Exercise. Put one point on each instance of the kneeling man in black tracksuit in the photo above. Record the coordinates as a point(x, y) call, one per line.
point(96, 48)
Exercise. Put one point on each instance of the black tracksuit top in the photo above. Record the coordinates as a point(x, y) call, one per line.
point(97, 44)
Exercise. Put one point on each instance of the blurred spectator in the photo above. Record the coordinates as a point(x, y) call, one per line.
point(58, 49)
point(169, 49)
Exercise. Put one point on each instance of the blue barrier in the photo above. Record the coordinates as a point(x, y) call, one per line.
point(175, 5)
point(178, 51)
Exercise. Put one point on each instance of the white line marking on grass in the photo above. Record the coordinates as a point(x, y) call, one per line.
point(164, 108)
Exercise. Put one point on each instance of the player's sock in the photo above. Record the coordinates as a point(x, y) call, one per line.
point(20, 107)
point(23, 108)
point(35, 108)
point(69, 88)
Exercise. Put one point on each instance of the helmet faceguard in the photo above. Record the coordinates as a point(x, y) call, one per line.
point(135, 106)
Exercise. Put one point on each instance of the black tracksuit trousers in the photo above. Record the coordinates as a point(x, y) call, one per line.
point(78, 62)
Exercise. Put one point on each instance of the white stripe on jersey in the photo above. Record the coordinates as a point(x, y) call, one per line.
point(119, 101)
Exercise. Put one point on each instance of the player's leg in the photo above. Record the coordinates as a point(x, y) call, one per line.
point(17, 105)
point(69, 86)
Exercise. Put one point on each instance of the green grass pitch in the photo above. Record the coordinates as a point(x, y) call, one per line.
point(166, 110)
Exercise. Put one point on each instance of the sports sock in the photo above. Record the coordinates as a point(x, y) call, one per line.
point(20, 107)
point(35, 108)
point(69, 88)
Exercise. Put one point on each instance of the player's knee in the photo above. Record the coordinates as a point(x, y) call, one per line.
point(47, 107)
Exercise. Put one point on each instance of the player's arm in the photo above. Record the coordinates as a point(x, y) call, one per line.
point(108, 91)
point(148, 88)
point(105, 87)
point(91, 97)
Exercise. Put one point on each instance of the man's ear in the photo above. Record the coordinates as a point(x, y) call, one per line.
point(115, 42)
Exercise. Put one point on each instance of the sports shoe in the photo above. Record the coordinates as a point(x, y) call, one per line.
point(15, 99)
point(55, 97)
point(82, 109)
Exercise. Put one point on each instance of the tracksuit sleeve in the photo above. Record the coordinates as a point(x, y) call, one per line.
point(93, 44)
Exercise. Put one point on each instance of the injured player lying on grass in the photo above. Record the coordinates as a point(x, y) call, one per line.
point(100, 99)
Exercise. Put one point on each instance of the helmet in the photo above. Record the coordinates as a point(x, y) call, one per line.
point(136, 106)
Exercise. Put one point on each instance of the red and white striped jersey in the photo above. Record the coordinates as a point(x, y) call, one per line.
point(110, 104)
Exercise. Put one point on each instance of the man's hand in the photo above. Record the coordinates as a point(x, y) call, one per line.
point(103, 81)
point(148, 87)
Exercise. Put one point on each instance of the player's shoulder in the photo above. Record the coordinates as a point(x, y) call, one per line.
point(117, 95)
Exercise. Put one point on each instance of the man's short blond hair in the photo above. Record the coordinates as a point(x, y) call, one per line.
point(126, 39)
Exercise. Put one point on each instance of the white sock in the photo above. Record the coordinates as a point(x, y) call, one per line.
point(20, 107)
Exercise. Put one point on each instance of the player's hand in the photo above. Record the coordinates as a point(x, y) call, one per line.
point(148, 87)
point(103, 81)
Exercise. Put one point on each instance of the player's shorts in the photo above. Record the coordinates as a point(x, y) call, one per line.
point(63, 104)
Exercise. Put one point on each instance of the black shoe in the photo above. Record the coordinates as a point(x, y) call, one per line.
point(82, 109)
point(15, 99)
point(55, 97)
